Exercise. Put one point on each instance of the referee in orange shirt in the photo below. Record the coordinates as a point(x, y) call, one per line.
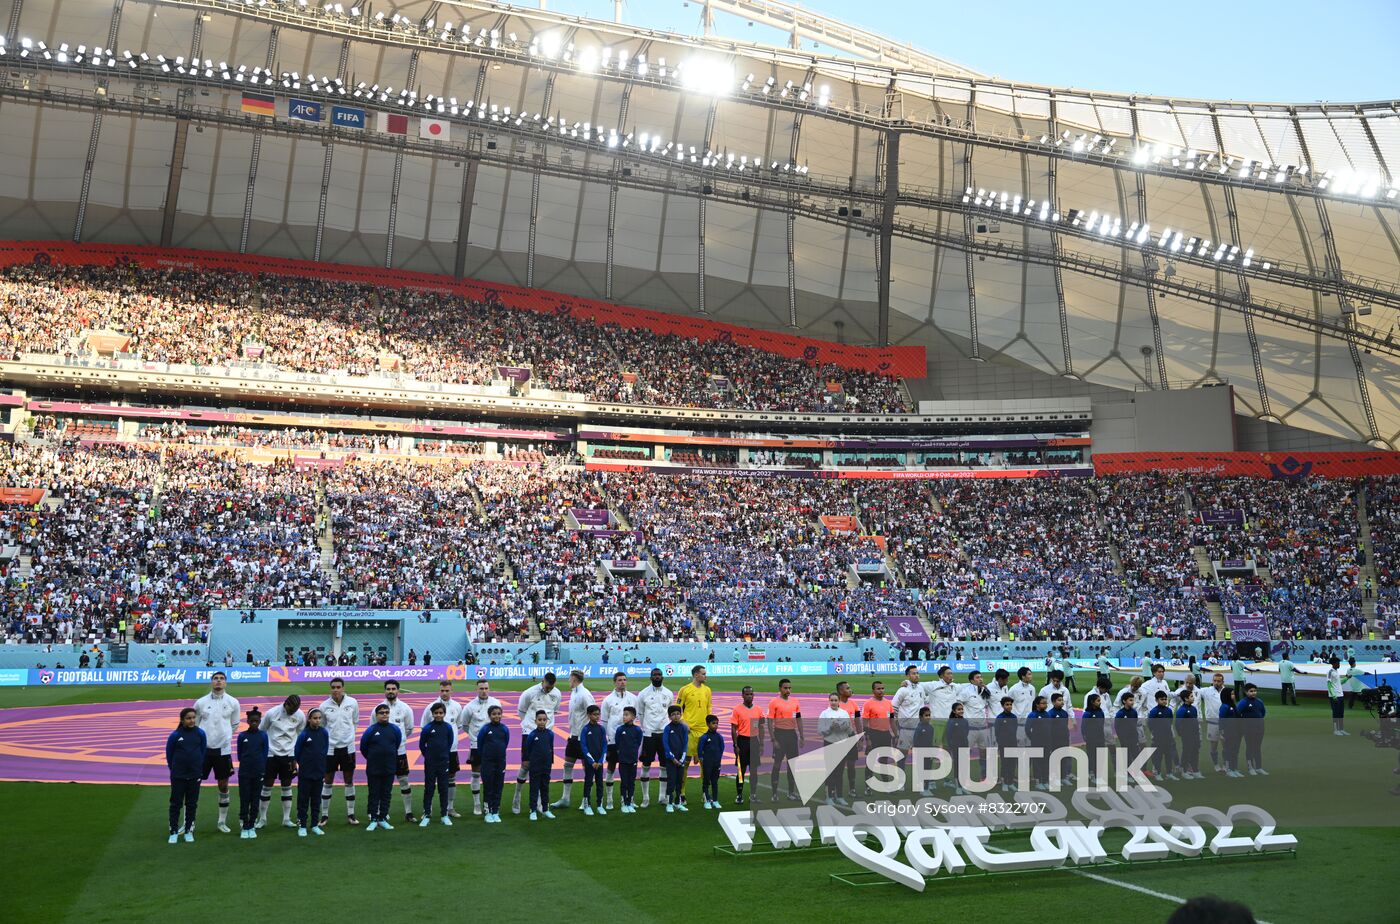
point(877, 716)
point(785, 714)
point(741, 733)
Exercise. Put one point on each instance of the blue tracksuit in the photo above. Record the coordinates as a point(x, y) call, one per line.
point(675, 739)
point(437, 742)
point(380, 746)
point(1006, 728)
point(310, 754)
point(1159, 725)
point(1253, 711)
point(537, 751)
point(491, 743)
point(710, 750)
point(1125, 724)
point(1230, 735)
point(1188, 727)
point(628, 740)
point(1038, 734)
point(252, 765)
point(593, 741)
point(955, 735)
point(184, 755)
point(1095, 732)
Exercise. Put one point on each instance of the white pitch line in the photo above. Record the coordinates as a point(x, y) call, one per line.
point(1131, 887)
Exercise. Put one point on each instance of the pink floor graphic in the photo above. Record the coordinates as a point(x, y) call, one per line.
point(125, 742)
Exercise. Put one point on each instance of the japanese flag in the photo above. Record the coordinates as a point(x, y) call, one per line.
point(436, 129)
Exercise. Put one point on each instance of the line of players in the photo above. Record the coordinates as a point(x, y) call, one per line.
point(669, 730)
point(312, 747)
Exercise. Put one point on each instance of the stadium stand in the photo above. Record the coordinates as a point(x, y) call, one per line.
point(211, 318)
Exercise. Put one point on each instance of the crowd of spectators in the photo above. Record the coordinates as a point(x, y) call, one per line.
point(215, 318)
point(1306, 534)
point(1043, 558)
point(156, 537)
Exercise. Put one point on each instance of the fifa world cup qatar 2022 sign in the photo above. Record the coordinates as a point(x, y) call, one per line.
point(949, 837)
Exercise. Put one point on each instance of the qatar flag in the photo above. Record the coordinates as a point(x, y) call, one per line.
point(436, 129)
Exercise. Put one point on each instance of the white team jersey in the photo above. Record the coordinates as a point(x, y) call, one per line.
point(1147, 693)
point(1208, 704)
point(652, 704)
point(979, 710)
point(907, 702)
point(218, 716)
point(401, 714)
point(454, 709)
point(1175, 699)
point(998, 691)
point(1050, 690)
point(1137, 698)
point(613, 704)
point(579, 701)
point(474, 715)
point(282, 730)
point(939, 697)
point(341, 721)
point(1023, 695)
point(535, 699)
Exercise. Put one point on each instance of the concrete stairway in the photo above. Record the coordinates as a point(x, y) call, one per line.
point(325, 539)
point(1368, 571)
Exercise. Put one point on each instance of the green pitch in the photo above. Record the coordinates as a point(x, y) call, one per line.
point(90, 854)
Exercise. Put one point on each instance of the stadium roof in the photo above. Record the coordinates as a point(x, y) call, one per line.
point(1125, 241)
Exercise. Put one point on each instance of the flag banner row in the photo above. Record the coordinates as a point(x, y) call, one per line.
point(351, 117)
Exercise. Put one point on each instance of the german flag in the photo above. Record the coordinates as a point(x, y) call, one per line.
point(258, 104)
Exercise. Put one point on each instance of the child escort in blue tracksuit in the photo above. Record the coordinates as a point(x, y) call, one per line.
point(628, 739)
point(1252, 710)
point(437, 742)
point(1006, 726)
point(380, 747)
point(313, 745)
point(184, 755)
point(1125, 726)
point(491, 743)
point(1159, 725)
point(537, 751)
point(1188, 728)
point(1094, 728)
point(675, 739)
point(710, 750)
point(593, 741)
point(252, 751)
point(955, 738)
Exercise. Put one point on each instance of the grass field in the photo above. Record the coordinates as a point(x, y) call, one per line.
point(96, 853)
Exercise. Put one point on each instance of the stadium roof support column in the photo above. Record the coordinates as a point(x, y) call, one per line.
point(13, 28)
point(1149, 267)
point(700, 213)
point(792, 203)
point(172, 185)
point(96, 132)
point(885, 240)
point(612, 195)
point(1055, 248)
point(1334, 271)
point(1386, 175)
point(177, 149)
point(969, 230)
point(257, 152)
point(326, 165)
point(398, 174)
point(1240, 279)
point(535, 192)
point(464, 218)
